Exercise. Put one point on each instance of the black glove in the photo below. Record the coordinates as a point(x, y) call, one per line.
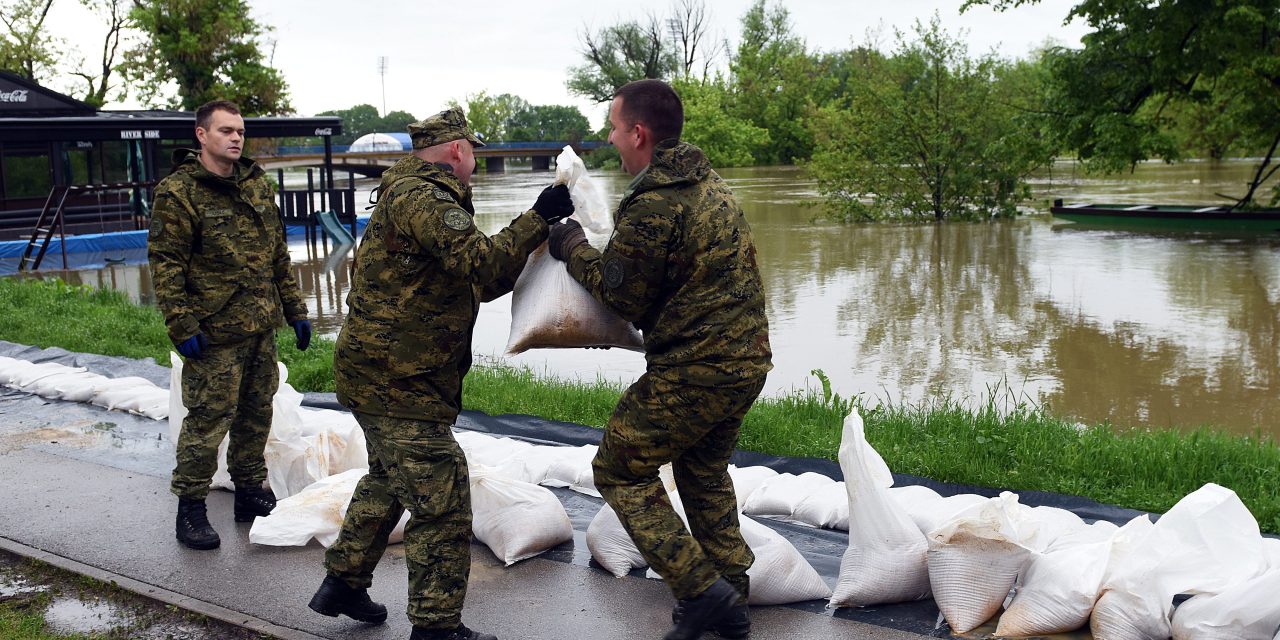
point(554, 204)
point(563, 238)
point(193, 347)
point(302, 331)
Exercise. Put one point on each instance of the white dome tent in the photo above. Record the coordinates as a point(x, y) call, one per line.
point(373, 142)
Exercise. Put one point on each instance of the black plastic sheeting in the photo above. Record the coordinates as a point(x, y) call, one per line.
point(823, 548)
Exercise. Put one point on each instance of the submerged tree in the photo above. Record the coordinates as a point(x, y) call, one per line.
point(211, 49)
point(928, 133)
point(1146, 63)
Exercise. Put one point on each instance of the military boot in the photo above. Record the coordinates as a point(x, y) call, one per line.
point(461, 633)
point(336, 597)
point(252, 502)
point(193, 525)
point(736, 625)
point(704, 611)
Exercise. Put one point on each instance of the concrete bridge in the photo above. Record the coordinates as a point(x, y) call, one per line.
point(373, 163)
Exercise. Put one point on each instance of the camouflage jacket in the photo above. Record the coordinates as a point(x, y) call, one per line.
point(219, 260)
point(422, 271)
point(681, 266)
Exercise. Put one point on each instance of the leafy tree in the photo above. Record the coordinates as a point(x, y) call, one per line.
point(773, 78)
point(1147, 64)
point(619, 54)
point(26, 48)
point(356, 121)
point(728, 141)
point(212, 49)
point(548, 122)
point(930, 133)
point(396, 122)
point(489, 116)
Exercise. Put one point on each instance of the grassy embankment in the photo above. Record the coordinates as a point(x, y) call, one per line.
point(1018, 446)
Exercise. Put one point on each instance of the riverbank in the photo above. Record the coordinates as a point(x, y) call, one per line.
point(1000, 443)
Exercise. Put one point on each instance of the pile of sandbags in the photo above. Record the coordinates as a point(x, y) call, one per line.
point(60, 382)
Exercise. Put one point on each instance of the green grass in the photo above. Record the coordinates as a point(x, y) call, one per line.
point(1003, 442)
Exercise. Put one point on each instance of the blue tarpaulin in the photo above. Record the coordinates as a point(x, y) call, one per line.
point(116, 242)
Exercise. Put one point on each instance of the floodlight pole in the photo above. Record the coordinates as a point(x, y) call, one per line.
point(382, 71)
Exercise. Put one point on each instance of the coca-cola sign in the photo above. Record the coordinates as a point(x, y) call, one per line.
point(17, 95)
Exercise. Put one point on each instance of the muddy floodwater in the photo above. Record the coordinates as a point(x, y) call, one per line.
point(1136, 327)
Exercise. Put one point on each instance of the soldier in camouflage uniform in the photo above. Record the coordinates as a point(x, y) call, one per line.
point(681, 266)
point(222, 277)
point(422, 270)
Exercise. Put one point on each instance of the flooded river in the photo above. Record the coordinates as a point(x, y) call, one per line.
point(1135, 328)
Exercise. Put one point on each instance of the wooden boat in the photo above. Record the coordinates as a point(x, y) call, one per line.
point(1189, 218)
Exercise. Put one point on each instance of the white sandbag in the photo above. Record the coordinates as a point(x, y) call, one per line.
point(1207, 543)
point(52, 386)
point(295, 459)
point(932, 511)
point(780, 575)
point(1248, 611)
point(886, 558)
point(152, 403)
point(777, 497)
point(484, 450)
point(119, 391)
point(345, 440)
point(549, 309)
point(974, 561)
point(747, 479)
point(1057, 591)
point(314, 512)
point(532, 465)
point(9, 367)
point(572, 467)
point(26, 376)
point(1271, 548)
point(515, 519)
point(826, 508)
point(79, 388)
point(611, 546)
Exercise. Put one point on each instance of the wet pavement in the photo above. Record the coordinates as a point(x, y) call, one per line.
point(89, 492)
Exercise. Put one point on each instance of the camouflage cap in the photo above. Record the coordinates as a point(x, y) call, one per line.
point(446, 126)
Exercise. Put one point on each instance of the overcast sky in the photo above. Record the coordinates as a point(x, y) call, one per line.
point(329, 50)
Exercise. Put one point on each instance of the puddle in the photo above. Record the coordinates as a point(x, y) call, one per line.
point(71, 615)
point(11, 588)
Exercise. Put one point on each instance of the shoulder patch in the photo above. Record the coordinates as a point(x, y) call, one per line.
point(457, 219)
point(614, 273)
point(442, 194)
point(157, 226)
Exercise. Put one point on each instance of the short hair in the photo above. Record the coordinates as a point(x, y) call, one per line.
point(205, 113)
point(653, 103)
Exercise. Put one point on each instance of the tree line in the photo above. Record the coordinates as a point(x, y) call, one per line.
point(928, 130)
point(921, 128)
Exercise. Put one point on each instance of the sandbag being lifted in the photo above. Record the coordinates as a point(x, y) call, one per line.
point(549, 309)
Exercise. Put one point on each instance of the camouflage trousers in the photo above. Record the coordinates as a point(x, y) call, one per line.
point(694, 428)
point(418, 466)
point(228, 389)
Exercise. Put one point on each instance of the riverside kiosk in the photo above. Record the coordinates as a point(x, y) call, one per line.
point(100, 166)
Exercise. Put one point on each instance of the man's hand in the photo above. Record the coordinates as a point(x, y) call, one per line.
point(563, 238)
point(193, 347)
point(302, 331)
point(554, 204)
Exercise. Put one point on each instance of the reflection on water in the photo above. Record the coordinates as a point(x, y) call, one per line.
point(1135, 328)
